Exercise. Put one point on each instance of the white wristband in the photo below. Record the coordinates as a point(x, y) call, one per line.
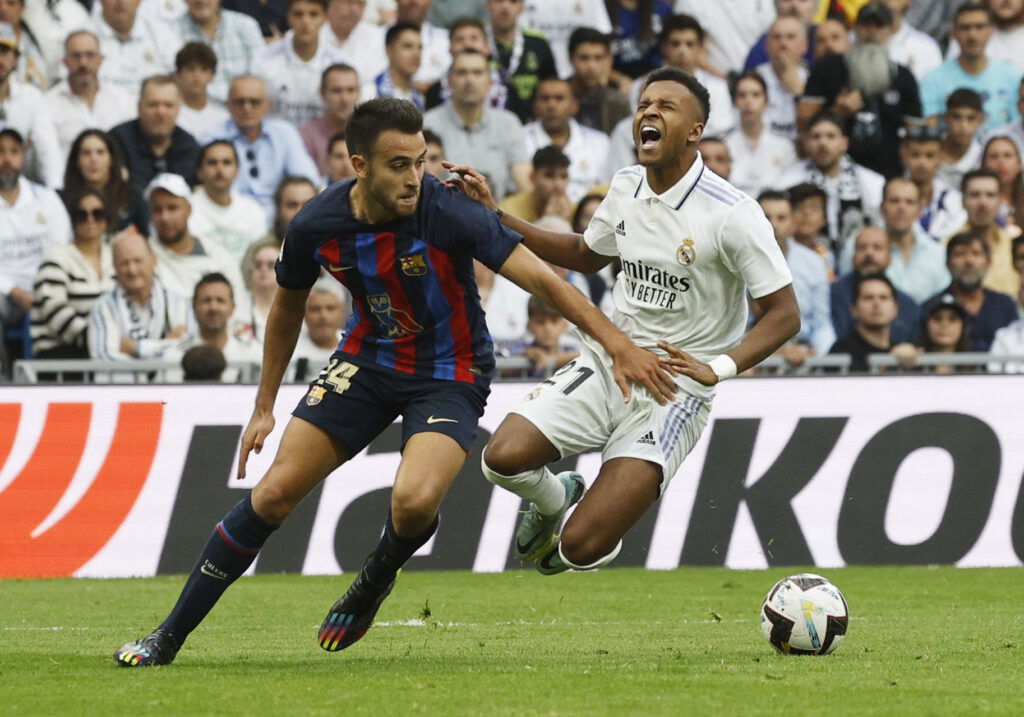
point(723, 366)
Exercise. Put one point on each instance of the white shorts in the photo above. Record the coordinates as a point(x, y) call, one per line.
point(580, 408)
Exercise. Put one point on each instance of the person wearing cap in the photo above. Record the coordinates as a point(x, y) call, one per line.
point(23, 108)
point(873, 95)
point(269, 149)
point(183, 258)
point(973, 69)
point(81, 101)
point(32, 218)
point(133, 45)
point(153, 143)
point(942, 211)
point(968, 260)
point(915, 50)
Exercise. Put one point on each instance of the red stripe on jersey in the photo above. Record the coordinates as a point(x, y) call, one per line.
point(459, 321)
point(405, 346)
point(330, 250)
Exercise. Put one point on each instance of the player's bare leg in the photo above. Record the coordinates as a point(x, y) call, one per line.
point(624, 490)
point(516, 459)
point(430, 462)
point(306, 456)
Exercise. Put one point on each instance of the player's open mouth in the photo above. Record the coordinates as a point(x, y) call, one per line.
point(649, 137)
point(408, 198)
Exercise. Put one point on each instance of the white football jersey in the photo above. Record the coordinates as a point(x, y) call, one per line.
point(689, 256)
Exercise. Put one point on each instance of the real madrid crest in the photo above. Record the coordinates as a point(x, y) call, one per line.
point(686, 254)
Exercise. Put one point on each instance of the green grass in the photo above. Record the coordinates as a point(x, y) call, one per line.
point(620, 641)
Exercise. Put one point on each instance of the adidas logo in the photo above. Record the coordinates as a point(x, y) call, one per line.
point(647, 438)
point(621, 228)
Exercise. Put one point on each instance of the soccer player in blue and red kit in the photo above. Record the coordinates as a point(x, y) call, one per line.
point(416, 346)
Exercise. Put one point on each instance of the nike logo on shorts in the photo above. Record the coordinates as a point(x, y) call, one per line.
point(433, 419)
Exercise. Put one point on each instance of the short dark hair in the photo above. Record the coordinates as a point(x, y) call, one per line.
point(859, 281)
point(287, 181)
point(672, 74)
point(431, 137)
point(391, 36)
point(337, 67)
point(966, 239)
point(964, 97)
point(679, 22)
point(550, 157)
point(893, 180)
point(335, 138)
point(321, 3)
point(14, 134)
point(588, 36)
point(378, 115)
point(73, 198)
point(465, 21)
point(195, 53)
point(774, 195)
point(980, 172)
point(217, 143)
point(972, 6)
point(747, 75)
point(826, 116)
point(800, 193)
point(203, 363)
point(214, 277)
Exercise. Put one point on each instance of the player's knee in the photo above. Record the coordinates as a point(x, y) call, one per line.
point(412, 510)
point(501, 456)
point(583, 547)
point(273, 502)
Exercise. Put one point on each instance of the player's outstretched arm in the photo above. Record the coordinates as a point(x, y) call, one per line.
point(565, 249)
point(779, 322)
point(283, 326)
point(631, 363)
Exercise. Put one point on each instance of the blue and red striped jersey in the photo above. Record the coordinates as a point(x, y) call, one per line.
point(415, 305)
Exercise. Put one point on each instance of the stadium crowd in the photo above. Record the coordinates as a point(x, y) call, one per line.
point(153, 153)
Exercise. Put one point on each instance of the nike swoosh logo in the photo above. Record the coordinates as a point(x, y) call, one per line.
point(212, 574)
point(332, 267)
point(432, 419)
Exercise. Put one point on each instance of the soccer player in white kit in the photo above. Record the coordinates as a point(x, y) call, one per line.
point(691, 246)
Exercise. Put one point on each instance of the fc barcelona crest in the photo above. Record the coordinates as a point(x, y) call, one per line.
point(686, 254)
point(316, 395)
point(413, 265)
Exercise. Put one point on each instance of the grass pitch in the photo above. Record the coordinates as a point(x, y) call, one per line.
point(619, 641)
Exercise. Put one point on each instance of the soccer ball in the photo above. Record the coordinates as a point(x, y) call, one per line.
point(804, 614)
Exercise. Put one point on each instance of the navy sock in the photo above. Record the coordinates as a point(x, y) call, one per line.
point(235, 543)
point(393, 551)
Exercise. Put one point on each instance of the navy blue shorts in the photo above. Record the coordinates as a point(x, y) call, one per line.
point(356, 402)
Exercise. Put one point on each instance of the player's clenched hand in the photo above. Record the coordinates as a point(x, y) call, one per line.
point(687, 365)
point(471, 183)
point(633, 363)
point(260, 426)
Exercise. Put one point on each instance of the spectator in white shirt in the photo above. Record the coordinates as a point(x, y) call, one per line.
point(733, 27)
point(219, 213)
point(291, 195)
point(133, 47)
point(293, 67)
point(34, 68)
point(339, 162)
point(23, 108)
point(261, 281)
point(961, 150)
point(908, 46)
point(32, 218)
point(139, 318)
point(587, 149)
point(183, 258)
point(326, 311)
point(81, 101)
point(339, 91)
point(557, 20)
point(716, 156)
point(784, 72)
point(195, 65)
point(435, 58)
point(404, 49)
point(352, 40)
point(942, 209)
point(759, 154)
point(213, 303)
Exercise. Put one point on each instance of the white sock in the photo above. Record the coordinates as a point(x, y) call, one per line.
point(599, 563)
point(539, 486)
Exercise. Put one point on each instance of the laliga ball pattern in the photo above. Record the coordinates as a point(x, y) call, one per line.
point(804, 615)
